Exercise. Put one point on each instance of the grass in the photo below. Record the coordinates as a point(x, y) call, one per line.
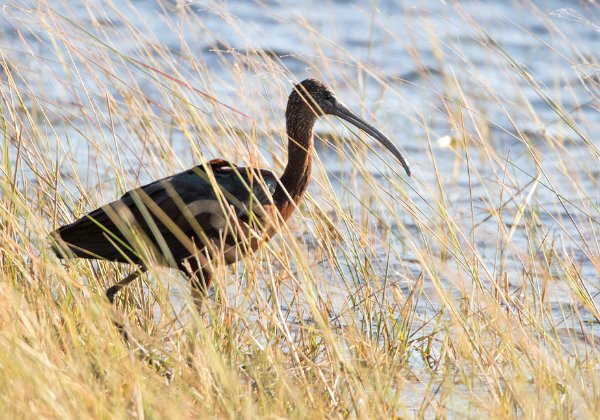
point(470, 289)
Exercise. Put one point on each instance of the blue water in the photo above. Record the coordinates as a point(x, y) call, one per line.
point(500, 66)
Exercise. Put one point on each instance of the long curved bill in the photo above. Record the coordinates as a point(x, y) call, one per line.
point(344, 113)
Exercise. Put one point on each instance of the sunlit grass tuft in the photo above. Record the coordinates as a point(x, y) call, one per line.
point(469, 289)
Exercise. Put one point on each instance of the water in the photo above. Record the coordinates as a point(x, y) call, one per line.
point(424, 54)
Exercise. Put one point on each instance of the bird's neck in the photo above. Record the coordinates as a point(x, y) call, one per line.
point(295, 178)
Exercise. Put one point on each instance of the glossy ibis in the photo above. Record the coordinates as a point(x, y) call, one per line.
point(211, 212)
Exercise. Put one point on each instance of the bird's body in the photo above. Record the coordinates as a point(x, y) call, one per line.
point(189, 220)
point(182, 211)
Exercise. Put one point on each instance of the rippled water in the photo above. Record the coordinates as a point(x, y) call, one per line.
point(425, 53)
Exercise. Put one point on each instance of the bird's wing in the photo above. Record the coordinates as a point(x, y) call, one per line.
point(166, 213)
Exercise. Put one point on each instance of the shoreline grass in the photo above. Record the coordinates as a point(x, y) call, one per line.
point(468, 290)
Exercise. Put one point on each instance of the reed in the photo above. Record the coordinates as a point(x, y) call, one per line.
point(469, 289)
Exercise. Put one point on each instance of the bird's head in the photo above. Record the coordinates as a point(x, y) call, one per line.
point(316, 95)
point(315, 98)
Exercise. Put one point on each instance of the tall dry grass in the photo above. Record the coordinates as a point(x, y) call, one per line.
point(469, 289)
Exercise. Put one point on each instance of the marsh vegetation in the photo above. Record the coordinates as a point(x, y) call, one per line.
point(471, 288)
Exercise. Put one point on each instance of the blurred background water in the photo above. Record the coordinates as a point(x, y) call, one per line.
point(408, 66)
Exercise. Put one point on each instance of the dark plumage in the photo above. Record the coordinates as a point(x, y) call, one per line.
point(188, 221)
point(106, 232)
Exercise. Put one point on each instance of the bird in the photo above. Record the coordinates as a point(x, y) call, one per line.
point(213, 212)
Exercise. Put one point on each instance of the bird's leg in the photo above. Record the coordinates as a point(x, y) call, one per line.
point(141, 351)
point(199, 271)
point(112, 291)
